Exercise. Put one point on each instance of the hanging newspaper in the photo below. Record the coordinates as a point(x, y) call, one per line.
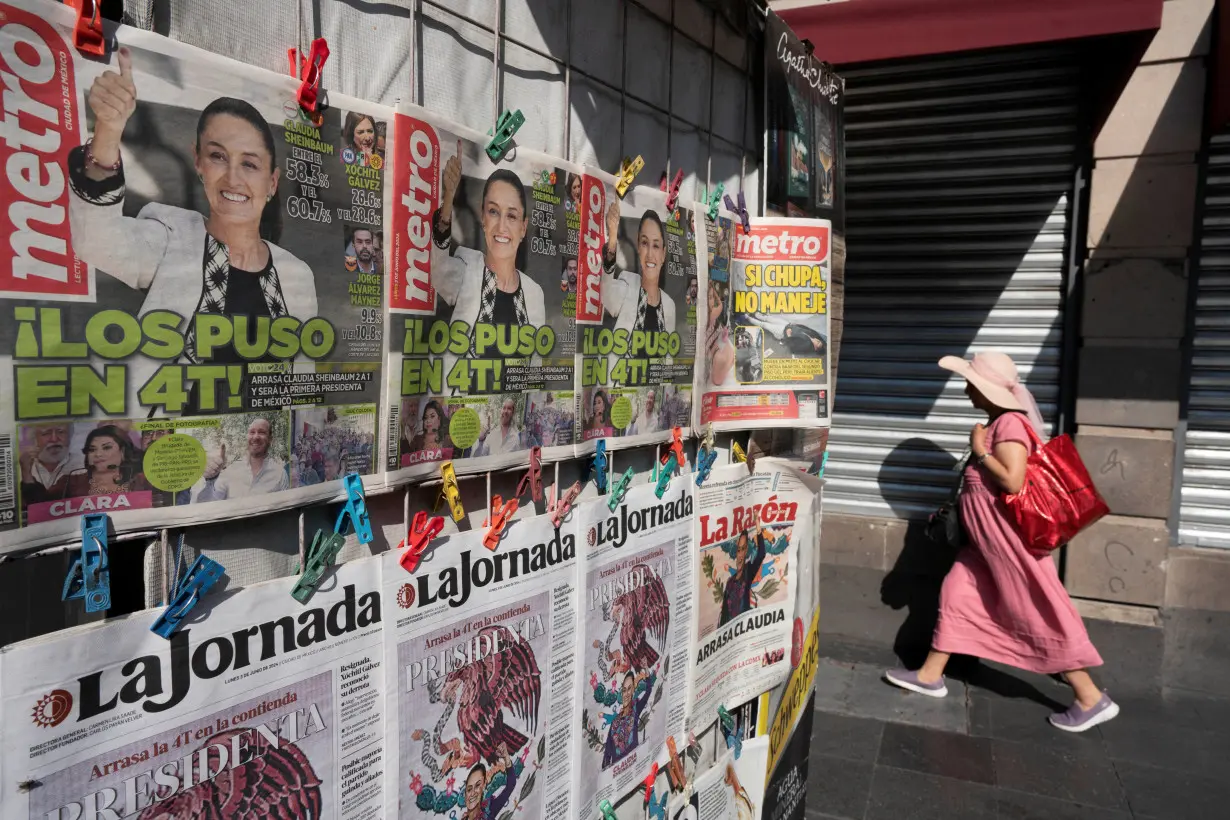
point(729, 789)
point(635, 316)
point(483, 299)
point(191, 284)
point(749, 530)
point(636, 620)
point(485, 650)
point(266, 708)
point(764, 319)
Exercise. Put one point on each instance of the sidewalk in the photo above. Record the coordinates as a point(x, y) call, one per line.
point(986, 751)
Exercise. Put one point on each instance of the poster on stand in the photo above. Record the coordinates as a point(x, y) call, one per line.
point(484, 649)
point(636, 318)
point(636, 614)
point(482, 298)
point(263, 703)
point(764, 319)
point(750, 528)
point(191, 283)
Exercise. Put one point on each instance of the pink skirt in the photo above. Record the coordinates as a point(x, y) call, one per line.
point(1003, 603)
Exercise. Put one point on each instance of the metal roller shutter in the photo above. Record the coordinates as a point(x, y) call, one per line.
point(960, 174)
point(1204, 511)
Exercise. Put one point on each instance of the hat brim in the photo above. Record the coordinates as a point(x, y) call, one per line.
point(1001, 397)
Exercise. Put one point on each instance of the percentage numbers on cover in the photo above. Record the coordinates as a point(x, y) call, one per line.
point(301, 208)
point(364, 199)
point(300, 171)
point(371, 316)
point(368, 216)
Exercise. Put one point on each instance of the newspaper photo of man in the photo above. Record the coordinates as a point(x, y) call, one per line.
point(256, 473)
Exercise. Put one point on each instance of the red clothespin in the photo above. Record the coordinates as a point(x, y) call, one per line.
point(423, 528)
point(501, 513)
point(88, 36)
point(676, 447)
point(672, 193)
point(533, 476)
point(310, 74)
point(649, 781)
point(559, 510)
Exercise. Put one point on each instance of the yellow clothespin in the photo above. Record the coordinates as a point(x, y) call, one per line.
point(450, 492)
point(628, 170)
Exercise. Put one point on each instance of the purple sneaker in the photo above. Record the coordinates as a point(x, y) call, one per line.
point(909, 680)
point(1076, 719)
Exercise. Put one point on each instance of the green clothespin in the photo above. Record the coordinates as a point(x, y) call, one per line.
point(505, 127)
point(320, 556)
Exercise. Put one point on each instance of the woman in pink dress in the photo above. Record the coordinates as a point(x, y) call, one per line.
point(1000, 601)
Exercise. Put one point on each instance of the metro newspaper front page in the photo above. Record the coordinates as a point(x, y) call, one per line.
point(636, 608)
point(482, 698)
point(265, 708)
point(748, 529)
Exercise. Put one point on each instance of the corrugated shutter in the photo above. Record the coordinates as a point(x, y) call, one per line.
point(1204, 512)
point(960, 172)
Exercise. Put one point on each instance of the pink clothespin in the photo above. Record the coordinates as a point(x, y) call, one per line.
point(559, 510)
point(672, 193)
point(501, 513)
point(533, 476)
point(423, 528)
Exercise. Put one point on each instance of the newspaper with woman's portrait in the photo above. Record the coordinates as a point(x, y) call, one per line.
point(192, 283)
point(483, 302)
point(265, 708)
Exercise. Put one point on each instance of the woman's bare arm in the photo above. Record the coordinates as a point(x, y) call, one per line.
point(1006, 464)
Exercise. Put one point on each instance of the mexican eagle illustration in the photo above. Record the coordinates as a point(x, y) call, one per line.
point(642, 611)
point(507, 679)
point(278, 783)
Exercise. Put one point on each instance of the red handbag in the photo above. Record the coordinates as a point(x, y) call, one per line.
point(1058, 499)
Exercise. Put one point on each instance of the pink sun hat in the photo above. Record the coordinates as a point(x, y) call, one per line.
point(996, 377)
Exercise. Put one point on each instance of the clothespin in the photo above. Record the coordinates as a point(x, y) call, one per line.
point(727, 723)
point(714, 200)
point(649, 781)
point(681, 455)
point(533, 476)
point(501, 513)
point(620, 489)
point(672, 193)
point(310, 74)
point(741, 211)
point(824, 462)
point(664, 477)
point(559, 510)
point(606, 810)
point(505, 127)
point(705, 458)
point(674, 769)
point(628, 170)
point(600, 465)
point(199, 579)
point(737, 452)
point(423, 528)
point(450, 492)
point(88, 36)
point(320, 556)
point(356, 509)
point(90, 576)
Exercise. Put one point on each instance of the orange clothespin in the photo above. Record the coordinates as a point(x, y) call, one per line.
point(310, 74)
point(423, 528)
point(501, 513)
point(672, 193)
point(674, 769)
point(649, 781)
point(88, 36)
point(533, 476)
point(681, 456)
point(559, 510)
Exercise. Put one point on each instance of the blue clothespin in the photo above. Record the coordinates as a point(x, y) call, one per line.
point(741, 211)
point(727, 722)
point(201, 576)
point(664, 476)
point(714, 200)
point(90, 576)
point(600, 465)
point(704, 463)
point(505, 127)
point(657, 806)
point(356, 509)
point(620, 489)
point(607, 810)
point(320, 556)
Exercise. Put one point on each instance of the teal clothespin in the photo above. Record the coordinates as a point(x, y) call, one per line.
point(620, 489)
point(705, 458)
point(356, 509)
point(600, 477)
point(607, 810)
point(714, 200)
point(90, 576)
point(727, 723)
point(505, 127)
point(664, 476)
point(824, 462)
